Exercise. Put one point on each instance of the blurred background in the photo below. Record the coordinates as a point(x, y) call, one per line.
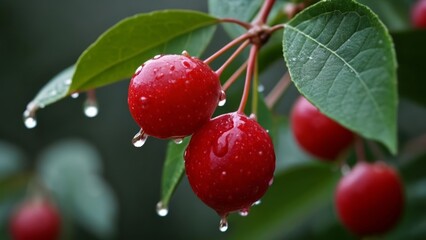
point(108, 189)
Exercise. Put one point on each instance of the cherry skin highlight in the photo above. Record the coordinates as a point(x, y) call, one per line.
point(35, 220)
point(230, 163)
point(316, 133)
point(370, 199)
point(418, 14)
point(171, 96)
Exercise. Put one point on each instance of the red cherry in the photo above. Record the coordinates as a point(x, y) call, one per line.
point(316, 133)
point(35, 220)
point(418, 14)
point(370, 199)
point(171, 96)
point(230, 163)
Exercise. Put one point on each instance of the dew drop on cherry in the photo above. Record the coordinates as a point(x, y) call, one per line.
point(90, 108)
point(178, 140)
point(244, 212)
point(258, 202)
point(161, 209)
point(139, 139)
point(223, 225)
point(222, 98)
point(157, 56)
point(271, 181)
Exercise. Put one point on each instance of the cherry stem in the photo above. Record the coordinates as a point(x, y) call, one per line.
point(359, 149)
point(255, 90)
point(232, 57)
point(278, 91)
point(231, 44)
point(275, 28)
point(264, 12)
point(249, 73)
point(245, 25)
point(234, 76)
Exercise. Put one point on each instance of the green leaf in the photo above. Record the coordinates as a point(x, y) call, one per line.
point(56, 89)
point(410, 51)
point(393, 13)
point(71, 170)
point(119, 51)
point(341, 58)
point(174, 167)
point(292, 198)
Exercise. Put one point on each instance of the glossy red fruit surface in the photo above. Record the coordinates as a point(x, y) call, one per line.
point(230, 163)
point(35, 220)
point(370, 199)
point(316, 133)
point(418, 14)
point(171, 96)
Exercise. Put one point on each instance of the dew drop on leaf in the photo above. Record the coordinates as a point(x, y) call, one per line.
point(75, 95)
point(30, 120)
point(161, 209)
point(90, 108)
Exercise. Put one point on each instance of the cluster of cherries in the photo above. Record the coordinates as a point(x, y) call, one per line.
point(230, 159)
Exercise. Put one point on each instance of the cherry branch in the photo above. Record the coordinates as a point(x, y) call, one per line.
point(249, 73)
point(227, 47)
point(232, 57)
point(264, 12)
point(245, 25)
point(234, 76)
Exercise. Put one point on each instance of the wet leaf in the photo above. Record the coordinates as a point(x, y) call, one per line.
point(341, 58)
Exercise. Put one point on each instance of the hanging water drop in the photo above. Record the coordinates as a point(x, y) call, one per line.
point(223, 225)
point(139, 139)
point(30, 120)
point(260, 88)
point(253, 116)
point(90, 108)
point(178, 140)
point(75, 95)
point(244, 212)
point(222, 98)
point(161, 209)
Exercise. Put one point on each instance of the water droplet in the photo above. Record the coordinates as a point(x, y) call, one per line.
point(267, 130)
point(139, 69)
point(161, 209)
point(157, 56)
point(244, 212)
point(185, 53)
point(310, 58)
point(258, 202)
point(90, 108)
point(271, 181)
point(220, 149)
point(30, 120)
point(223, 225)
point(222, 98)
point(160, 75)
point(293, 59)
point(139, 139)
point(53, 93)
point(68, 81)
point(178, 140)
point(75, 95)
point(260, 88)
point(253, 116)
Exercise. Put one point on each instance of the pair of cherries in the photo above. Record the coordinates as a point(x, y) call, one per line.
point(230, 159)
point(369, 199)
